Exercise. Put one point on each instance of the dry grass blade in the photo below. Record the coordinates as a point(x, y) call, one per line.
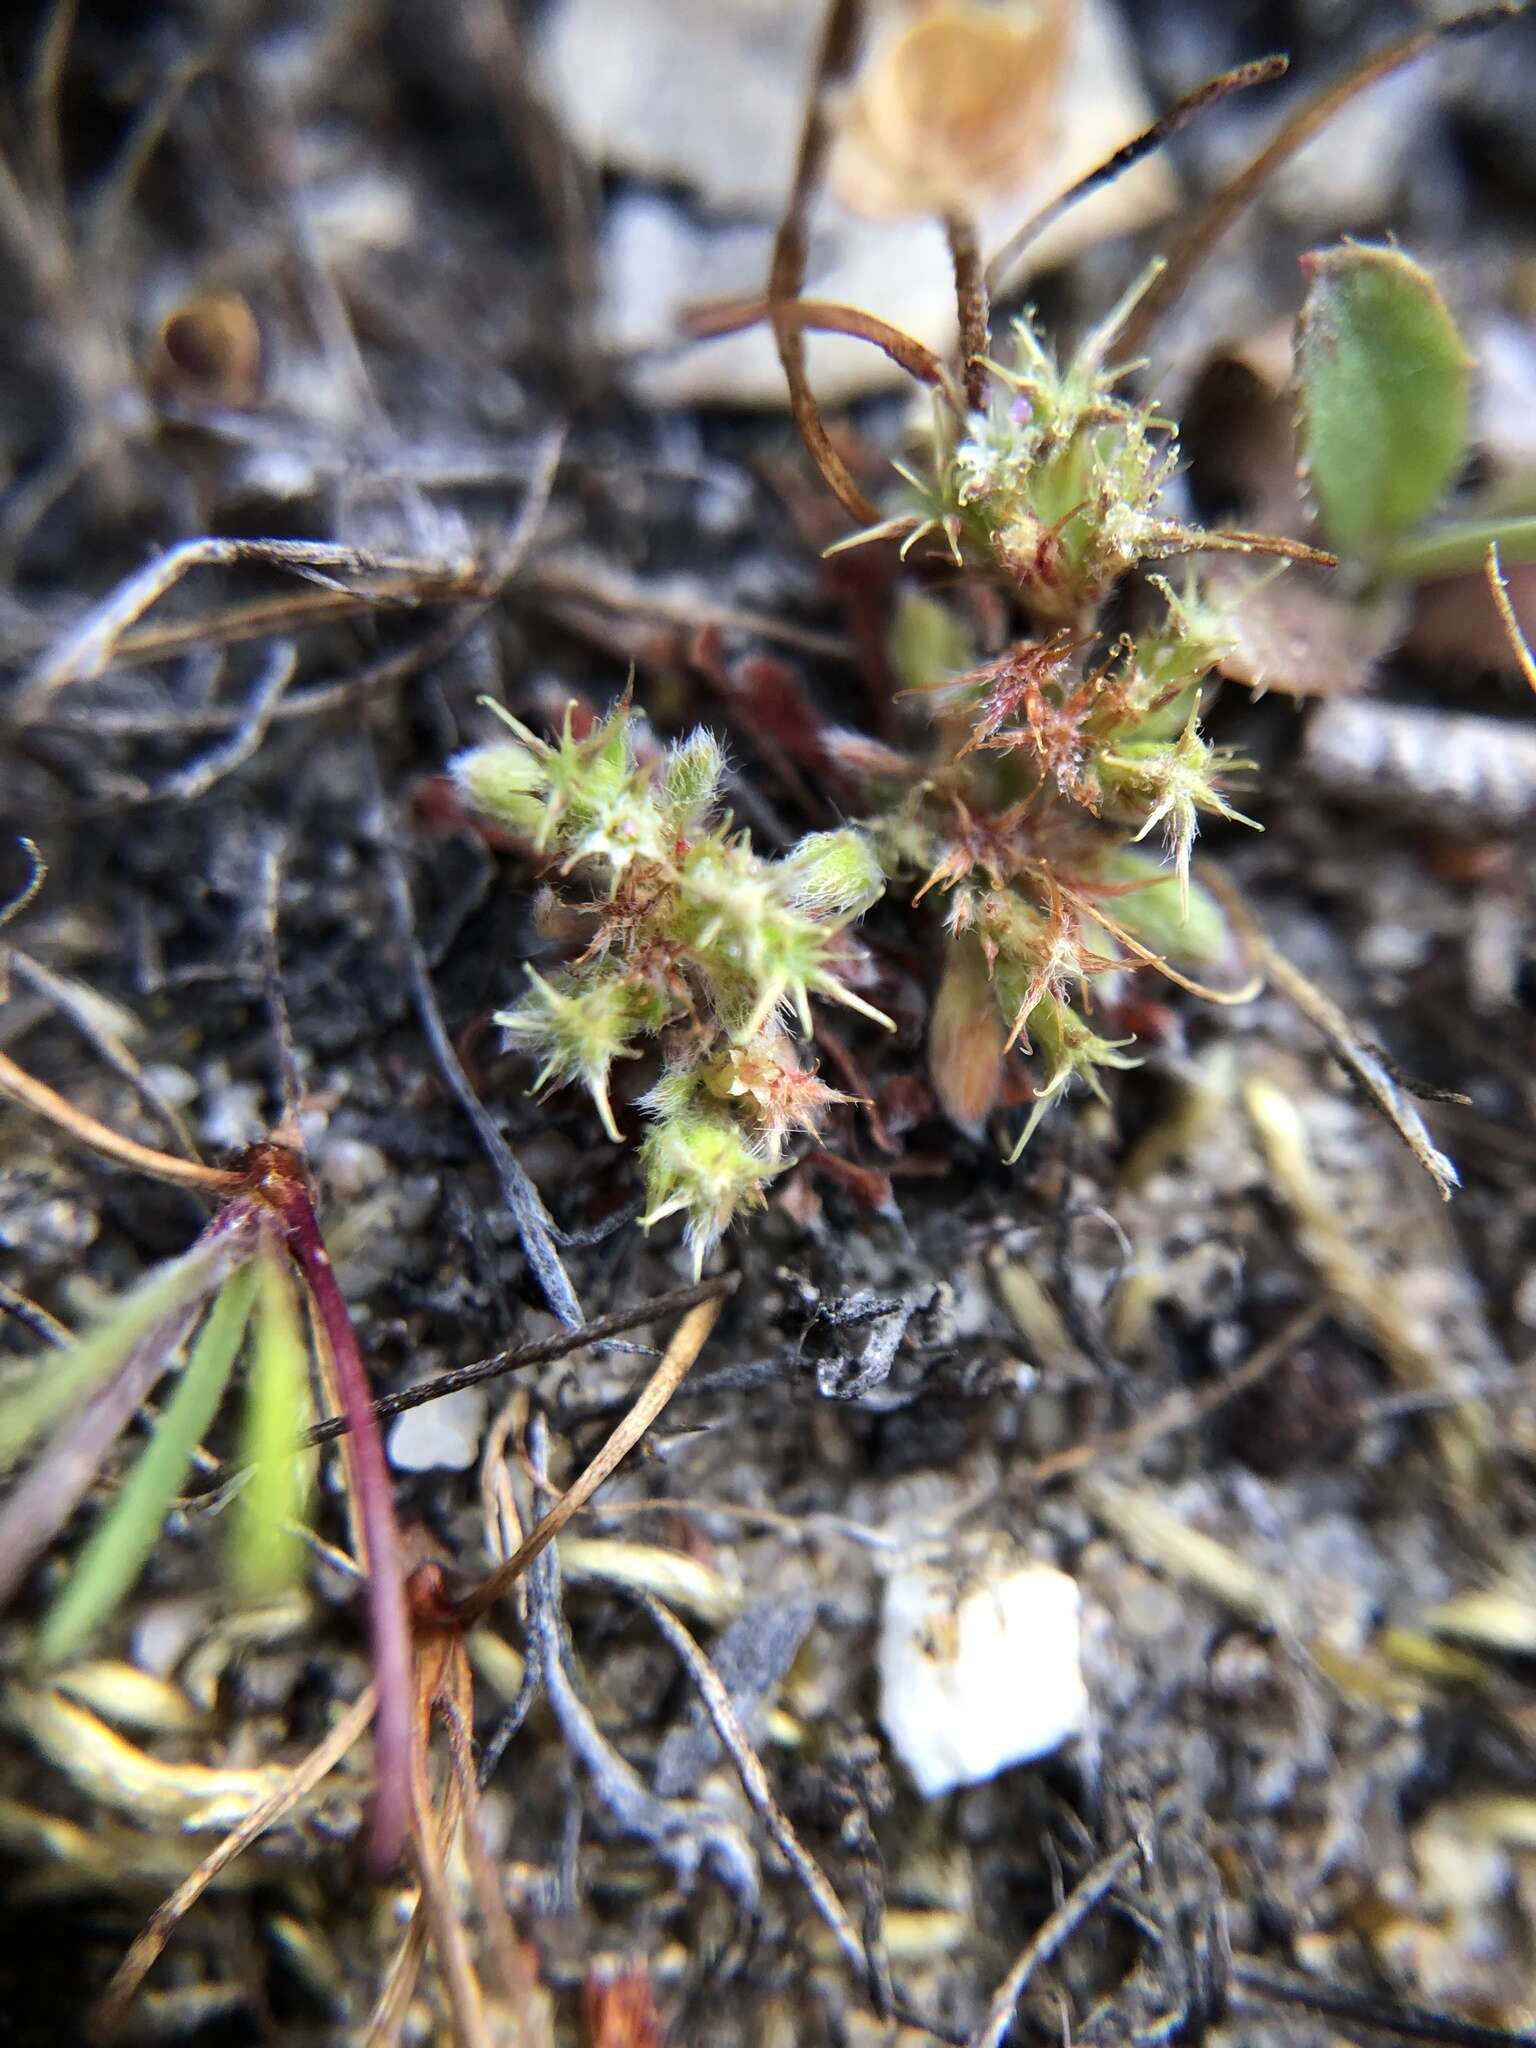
point(687, 1342)
point(85, 1130)
point(90, 1015)
point(122, 1778)
point(1245, 186)
point(1359, 1059)
point(1519, 645)
point(511, 1959)
point(754, 1782)
point(89, 647)
point(297, 1785)
point(535, 1226)
point(1052, 1934)
point(431, 1836)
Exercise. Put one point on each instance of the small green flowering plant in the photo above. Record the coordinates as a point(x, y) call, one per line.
point(696, 941)
point(1060, 746)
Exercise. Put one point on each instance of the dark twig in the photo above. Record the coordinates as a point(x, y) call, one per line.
point(535, 1226)
point(1239, 190)
point(1162, 130)
point(1357, 2009)
point(540, 1352)
point(1053, 1933)
point(688, 1341)
point(754, 1783)
point(199, 776)
point(32, 1316)
point(37, 874)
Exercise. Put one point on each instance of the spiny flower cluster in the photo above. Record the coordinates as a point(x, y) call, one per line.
point(1057, 484)
point(1055, 757)
point(694, 940)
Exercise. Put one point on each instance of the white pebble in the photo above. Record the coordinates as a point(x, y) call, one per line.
point(440, 1436)
point(978, 1673)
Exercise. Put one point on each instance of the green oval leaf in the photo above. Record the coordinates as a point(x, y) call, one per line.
point(1383, 376)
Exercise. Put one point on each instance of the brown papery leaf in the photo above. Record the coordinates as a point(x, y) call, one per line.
point(1293, 634)
point(951, 107)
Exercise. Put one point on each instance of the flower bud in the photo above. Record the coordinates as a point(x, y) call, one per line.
point(835, 874)
point(505, 782)
point(690, 780)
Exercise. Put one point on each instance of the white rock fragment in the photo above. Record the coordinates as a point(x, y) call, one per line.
point(979, 1672)
point(440, 1436)
point(709, 96)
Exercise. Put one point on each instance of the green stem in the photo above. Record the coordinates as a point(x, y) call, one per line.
point(1454, 550)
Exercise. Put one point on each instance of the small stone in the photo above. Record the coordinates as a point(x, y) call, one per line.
point(978, 1673)
point(440, 1436)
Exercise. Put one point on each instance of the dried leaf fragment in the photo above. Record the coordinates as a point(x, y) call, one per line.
point(951, 107)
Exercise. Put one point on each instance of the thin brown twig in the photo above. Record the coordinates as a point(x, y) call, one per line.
point(1183, 1410)
point(687, 1341)
point(305, 1776)
point(540, 1352)
point(1051, 1935)
point(558, 586)
point(1299, 129)
point(786, 276)
point(754, 1783)
point(45, 1102)
point(1261, 72)
point(972, 305)
point(824, 316)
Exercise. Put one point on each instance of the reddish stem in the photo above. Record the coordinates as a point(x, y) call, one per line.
point(282, 1185)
